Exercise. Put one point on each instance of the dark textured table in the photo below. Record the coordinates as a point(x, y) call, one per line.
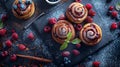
point(107, 51)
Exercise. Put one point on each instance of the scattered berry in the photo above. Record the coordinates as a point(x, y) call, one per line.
point(62, 17)
point(52, 20)
point(3, 32)
point(21, 47)
point(78, 27)
point(78, 45)
point(114, 14)
point(65, 53)
point(111, 8)
point(89, 6)
point(75, 52)
point(15, 36)
point(4, 17)
point(108, 1)
point(91, 13)
point(114, 25)
point(4, 53)
point(89, 19)
point(78, 0)
point(13, 57)
point(8, 43)
point(66, 60)
point(31, 36)
point(47, 29)
point(96, 64)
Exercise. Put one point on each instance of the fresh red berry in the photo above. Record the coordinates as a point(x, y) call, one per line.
point(4, 17)
point(65, 53)
point(96, 64)
point(78, 45)
point(31, 36)
point(114, 14)
point(3, 32)
point(78, 27)
point(75, 52)
point(89, 19)
point(111, 8)
point(52, 20)
point(47, 29)
point(114, 25)
point(22, 47)
point(8, 43)
point(78, 0)
point(91, 13)
point(62, 17)
point(13, 57)
point(89, 6)
point(4, 53)
point(15, 36)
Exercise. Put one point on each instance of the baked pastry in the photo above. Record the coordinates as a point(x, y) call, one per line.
point(91, 34)
point(76, 12)
point(23, 9)
point(61, 29)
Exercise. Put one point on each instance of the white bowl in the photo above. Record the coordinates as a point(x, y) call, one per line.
point(52, 3)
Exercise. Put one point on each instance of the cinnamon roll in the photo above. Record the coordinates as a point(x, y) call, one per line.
point(91, 34)
point(61, 29)
point(23, 9)
point(76, 12)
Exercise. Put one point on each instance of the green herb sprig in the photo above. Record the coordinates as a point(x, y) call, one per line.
point(67, 41)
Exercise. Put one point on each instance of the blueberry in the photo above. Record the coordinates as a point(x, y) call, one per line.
point(22, 6)
point(65, 58)
point(15, 6)
point(109, 13)
point(20, 1)
point(108, 1)
point(66, 62)
point(118, 17)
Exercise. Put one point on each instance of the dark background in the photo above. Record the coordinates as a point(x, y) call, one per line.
point(107, 51)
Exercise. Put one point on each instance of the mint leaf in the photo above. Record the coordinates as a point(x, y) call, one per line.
point(76, 41)
point(69, 35)
point(64, 46)
point(1, 24)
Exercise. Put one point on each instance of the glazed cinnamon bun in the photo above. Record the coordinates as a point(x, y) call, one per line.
point(76, 12)
point(91, 34)
point(23, 9)
point(61, 29)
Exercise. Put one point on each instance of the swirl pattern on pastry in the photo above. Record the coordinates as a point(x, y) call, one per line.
point(23, 9)
point(76, 12)
point(61, 29)
point(91, 34)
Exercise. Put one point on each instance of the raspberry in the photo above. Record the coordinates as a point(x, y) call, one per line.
point(114, 14)
point(78, 45)
point(4, 53)
point(15, 36)
point(31, 36)
point(78, 0)
point(89, 19)
point(52, 20)
point(75, 52)
point(8, 43)
point(111, 8)
point(78, 27)
point(91, 13)
point(3, 32)
point(65, 53)
point(4, 17)
point(114, 25)
point(89, 6)
point(96, 64)
point(13, 31)
point(62, 17)
point(21, 47)
point(47, 29)
point(13, 57)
